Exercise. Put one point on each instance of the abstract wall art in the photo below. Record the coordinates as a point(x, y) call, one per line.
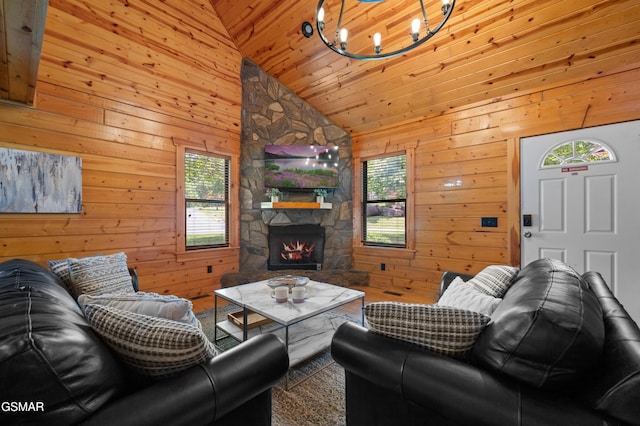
point(35, 182)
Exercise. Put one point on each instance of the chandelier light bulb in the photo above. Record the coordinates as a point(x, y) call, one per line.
point(377, 43)
point(394, 45)
point(320, 19)
point(344, 34)
point(415, 29)
point(343, 38)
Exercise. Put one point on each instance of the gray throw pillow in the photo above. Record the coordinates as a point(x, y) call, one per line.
point(462, 295)
point(494, 280)
point(156, 305)
point(100, 274)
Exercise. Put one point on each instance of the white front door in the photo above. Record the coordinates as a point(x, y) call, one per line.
point(582, 209)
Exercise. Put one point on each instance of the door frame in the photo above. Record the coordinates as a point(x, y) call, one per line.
point(513, 202)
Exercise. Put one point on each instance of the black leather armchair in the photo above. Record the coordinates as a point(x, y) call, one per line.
point(50, 356)
point(389, 382)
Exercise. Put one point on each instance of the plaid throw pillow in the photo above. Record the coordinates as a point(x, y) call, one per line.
point(494, 280)
point(441, 329)
point(100, 275)
point(155, 347)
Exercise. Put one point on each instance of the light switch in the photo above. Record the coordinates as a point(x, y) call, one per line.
point(489, 222)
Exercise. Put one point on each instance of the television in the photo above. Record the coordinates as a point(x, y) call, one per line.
point(300, 167)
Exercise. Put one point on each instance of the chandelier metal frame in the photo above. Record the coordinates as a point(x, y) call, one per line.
point(340, 47)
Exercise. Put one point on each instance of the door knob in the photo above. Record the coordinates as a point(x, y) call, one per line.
point(527, 234)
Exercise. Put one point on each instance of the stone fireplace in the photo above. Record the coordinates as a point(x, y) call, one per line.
point(273, 114)
point(296, 247)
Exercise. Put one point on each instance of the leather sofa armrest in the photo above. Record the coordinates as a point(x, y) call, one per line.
point(448, 387)
point(204, 393)
point(378, 359)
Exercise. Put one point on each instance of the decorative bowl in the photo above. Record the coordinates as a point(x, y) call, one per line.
point(287, 280)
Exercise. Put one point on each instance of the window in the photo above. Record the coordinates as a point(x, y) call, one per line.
point(206, 198)
point(578, 152)
point(384, 201)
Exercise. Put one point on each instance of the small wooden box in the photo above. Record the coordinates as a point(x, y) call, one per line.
point(253, 319)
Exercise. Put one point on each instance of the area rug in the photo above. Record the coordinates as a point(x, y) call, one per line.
point(318, 399)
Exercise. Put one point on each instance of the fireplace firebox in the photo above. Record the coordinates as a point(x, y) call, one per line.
point(296, 247)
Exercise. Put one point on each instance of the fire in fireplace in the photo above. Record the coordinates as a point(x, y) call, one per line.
point(296, 247)
point(298, 251)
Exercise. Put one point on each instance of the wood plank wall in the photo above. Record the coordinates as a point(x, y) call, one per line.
point(119, 82)
point(478, 146)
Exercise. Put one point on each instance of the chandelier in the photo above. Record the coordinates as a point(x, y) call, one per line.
point(418, 30)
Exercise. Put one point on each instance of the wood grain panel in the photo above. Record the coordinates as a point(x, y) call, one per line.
point(472, 224)
point(483, 254)
point(21, 33)
point(472, 196)
point(487, 50)
point(481, 183)
point(128, 181)
point(455, 169)
point(72, 109)
point(485, 180)
point(119, 83)
point(72, 132)
point(197, 131)
point(67, 226)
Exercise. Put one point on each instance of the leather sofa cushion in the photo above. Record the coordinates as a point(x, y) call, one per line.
point(614, 385)
point(48, 351)
point(547, 331)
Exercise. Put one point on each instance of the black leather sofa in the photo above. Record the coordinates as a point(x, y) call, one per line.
point(389, 382)
point(55, 370)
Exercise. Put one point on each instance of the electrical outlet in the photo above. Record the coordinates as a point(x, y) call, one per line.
point(209, 269)
point(383, 266)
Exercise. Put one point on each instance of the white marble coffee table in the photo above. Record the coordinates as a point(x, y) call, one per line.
point(304, 331)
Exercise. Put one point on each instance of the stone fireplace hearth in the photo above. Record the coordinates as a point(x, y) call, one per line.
point(273, 114)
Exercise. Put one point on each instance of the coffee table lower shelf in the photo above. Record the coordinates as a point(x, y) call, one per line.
point(306, 338)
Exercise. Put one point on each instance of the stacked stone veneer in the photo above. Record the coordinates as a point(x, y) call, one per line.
point(273, 114)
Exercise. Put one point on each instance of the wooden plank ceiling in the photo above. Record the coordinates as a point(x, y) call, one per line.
point(21, 32)
point(488, 49)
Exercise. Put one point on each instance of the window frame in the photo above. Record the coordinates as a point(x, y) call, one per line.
point(408, 251)
point(224, 202)
point(233, 212)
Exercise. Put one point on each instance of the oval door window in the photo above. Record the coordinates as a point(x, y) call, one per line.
point(579, 151)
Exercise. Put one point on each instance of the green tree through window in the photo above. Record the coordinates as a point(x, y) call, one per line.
point(206, 193)
point(384, 201)
point(577, 152)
